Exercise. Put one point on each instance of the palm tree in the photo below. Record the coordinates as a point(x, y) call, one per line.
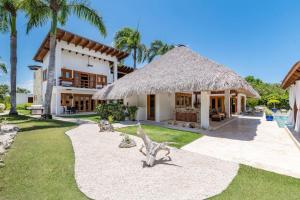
point(129, 40)
point(3, 67)
point(57, 12)
point(8, 23)
point(157, 48)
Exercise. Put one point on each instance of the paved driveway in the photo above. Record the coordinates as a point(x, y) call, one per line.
point(252, 141)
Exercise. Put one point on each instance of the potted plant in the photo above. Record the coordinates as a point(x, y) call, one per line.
point(273, 102)
point(132, 110)
point(269, 114)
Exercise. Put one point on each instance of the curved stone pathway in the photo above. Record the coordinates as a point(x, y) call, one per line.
point(104, 171)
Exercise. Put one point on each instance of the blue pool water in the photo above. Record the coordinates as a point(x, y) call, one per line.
point(281, 120)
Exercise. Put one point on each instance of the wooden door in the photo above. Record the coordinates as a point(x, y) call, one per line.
point(92, 79)
point(151, 107)
point(233, 105)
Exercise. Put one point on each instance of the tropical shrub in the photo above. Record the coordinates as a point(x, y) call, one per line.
point(252, 102)
point(132, 112)
point(115, 110)
point(23, 106)
point(267, 92)
point(2, 107)
point(268, 112)
point(110, 119)
point(273, 102)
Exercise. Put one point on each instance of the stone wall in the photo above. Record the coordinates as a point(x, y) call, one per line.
point(37, 87)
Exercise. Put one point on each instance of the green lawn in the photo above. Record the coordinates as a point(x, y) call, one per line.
point(252, 183)
point(92, 117)
point(160, 134)
point(40, 163)
point(24, 112)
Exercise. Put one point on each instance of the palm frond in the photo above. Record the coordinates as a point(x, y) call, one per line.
point(64, 13)
point(122, 39)
point(3, 19)
point(158, 48)
point(3, 68)
point(83, 11)
point(141, 52)
point(37, 12)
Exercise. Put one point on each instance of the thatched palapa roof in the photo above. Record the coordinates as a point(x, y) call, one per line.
point(179, 70)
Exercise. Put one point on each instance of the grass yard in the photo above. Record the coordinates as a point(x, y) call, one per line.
point(252, 183)
point(92, 117)
point(40, 163)
point(24, 112)
point(161, 134)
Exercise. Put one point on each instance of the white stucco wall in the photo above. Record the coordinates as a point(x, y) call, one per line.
point(73, 61)
point(163, 108)
point(141, 102)
point(22, 98)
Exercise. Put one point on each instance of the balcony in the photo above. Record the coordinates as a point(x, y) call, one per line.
point(71, 78)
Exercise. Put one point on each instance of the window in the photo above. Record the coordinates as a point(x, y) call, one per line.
point(45, 74)
point(66, 73)
point(217, 104)
point(101, 80)
point(183, 100)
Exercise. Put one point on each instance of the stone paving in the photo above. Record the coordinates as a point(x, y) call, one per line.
point(252, 141)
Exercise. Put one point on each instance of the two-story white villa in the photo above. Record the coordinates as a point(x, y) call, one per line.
point(82, 67)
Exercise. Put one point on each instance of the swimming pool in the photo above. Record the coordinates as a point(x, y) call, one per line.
point(281, 120)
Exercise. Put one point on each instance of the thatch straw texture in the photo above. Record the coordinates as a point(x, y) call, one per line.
point(179, 70)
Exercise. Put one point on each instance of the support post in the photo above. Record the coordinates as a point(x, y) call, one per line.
point(227, 103)
point(245, 103)
point(115, 71)
point(238, 104)
point(204, 111)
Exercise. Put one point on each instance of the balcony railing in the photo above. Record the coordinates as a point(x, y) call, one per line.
point(80, 82)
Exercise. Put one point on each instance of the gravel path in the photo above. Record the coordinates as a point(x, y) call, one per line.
point(104, 171)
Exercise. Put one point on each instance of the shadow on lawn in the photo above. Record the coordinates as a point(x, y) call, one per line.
point(26, 123)
point(40, 127)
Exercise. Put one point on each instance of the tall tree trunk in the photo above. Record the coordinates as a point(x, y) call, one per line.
point(13, 72)
point(134, 58)
point(51, 70)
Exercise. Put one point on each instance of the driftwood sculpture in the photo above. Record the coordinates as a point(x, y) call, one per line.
point(127, 142)
point(152, 148)
point(104, 125)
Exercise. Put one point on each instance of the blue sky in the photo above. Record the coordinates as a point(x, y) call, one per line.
point(253, 37)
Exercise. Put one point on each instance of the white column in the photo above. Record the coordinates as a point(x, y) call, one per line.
point(157, 107)
point(227, 103)
point(58, 63)
point(239, 104)
point(297, 98)
point(57, 103)
point(245, 103)
point(291, 117)
point(193, 99)
point(115, 71)
point(204, 111)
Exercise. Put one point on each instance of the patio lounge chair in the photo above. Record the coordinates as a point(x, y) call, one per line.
point(283, 111)
point(67, 109)
point(222, 115)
